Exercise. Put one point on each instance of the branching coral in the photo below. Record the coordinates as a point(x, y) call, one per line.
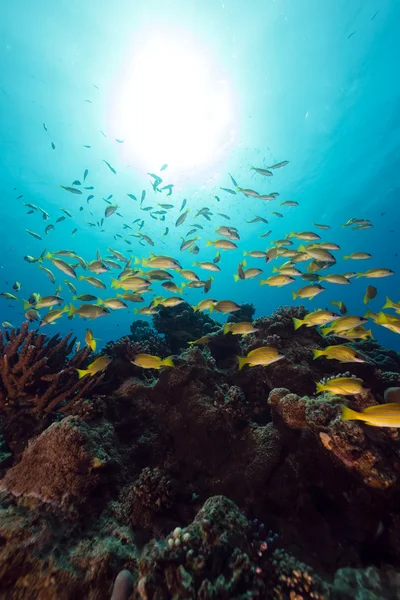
point(154, 489)
point(35, 372)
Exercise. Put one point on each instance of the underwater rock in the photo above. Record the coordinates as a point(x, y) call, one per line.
point(63, 465)
point(246, 313)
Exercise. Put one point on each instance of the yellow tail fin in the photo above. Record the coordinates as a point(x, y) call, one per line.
point(209, 243)
point(298, 323)
point(167, 362)
point(26, 304)
point(317, 353)
point(82, 373)
point(294, 295)
point(389, 303)
point(236, 277)
point(242, 360)
point(320, 387)
point(71, 310)
point(244, 263)
point(226, 328)
point(350, 415)
point(325, 331)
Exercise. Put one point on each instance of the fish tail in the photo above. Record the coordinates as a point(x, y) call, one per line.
point(226, 328)
point(320, 387)
point(350, 415)
point(209, 243)
point(236, 277)
point(358, 275)
point(275, 270)
point(65, 309)
point(325, 331)
point(92, 345)
point(245, 253)
point(82, 372)
point(47, 255)
point(298, 323)
point(302, 248)
point(368, 314)
point(99, 302)
point(388, 303)
point(26, 305)
point(294, 295)
point(71, 311)
point(244, 263)
point(114, 282)
point(242, 360)
point(137, 261)
point(346, 257)
point(369, 334)
point(181, 288)
point(80, 277)
point(168, 362)
point(317, 353)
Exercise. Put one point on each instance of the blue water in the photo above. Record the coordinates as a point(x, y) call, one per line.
point(314, 83)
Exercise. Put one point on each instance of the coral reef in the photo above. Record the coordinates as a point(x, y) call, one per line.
point(180, 474)
point(181, 324)
point(37, 378)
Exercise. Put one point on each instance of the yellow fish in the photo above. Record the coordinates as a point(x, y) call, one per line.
point(358, 256)
point(148, 361)
point(265, 356)
point(87, 311)
point(205, 305)
point(341, 306)
point(99, 364)
point(90, 340)
point(390, 322)
point(318, 317)
point(225, 306)
point(171, 301)
point(376, 273)
point(343, 324)
point(343, 354)
point(370, 294)
point(308, 291)
point(53, 315)
point(241, 328)
point(357, 333)
point(380, 415)
point(222, 244)
point(343, 386)
point(201, 341)
point(277, 280)
point(339, 279)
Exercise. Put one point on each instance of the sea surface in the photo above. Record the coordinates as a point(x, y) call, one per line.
point(210, 89)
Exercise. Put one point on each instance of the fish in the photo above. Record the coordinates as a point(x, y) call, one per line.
point(309, 291)
point(257, 219)
point(228, 190)
point(100, 364)
point(207, 266)
point(165, 166)
point(224, 216)
point(85, 298)
point(131, 297)
point(110, 210)
point(217, 258)
point(16, 286)
point(222, 244)
point(8, 296)
point(53, 145)
point(113, 303)
point(277, 214)
point(343, 354)
point(325, 227)
point(248, 273)
point(265, 355)
point(277, 280)
point(32, 314)
point(343, 386)
point(357, 256)
point(390, 322)
point(341, 306)
point(358, 333)
point(291, 271)
point(159, 262)
point(370, 294)
point(265, 172)
point(72, 190)
point(279, 165)
point(110, 167)
point(64, 210)
point(318, 317)
point(239, 328)
point(201, 341)
point(148, 361)
point(189, 275)
point(146, 310)
point(169, 188)
point(61, 265)
point(60, 219)
point(33, 234)
point(339, 279)
point(90, 340)
point(170, 286)
point(289, 203)
point(88, 311)
point(85, 174)
point(379, 415)
point(376, 273)
point(76, 182)
point(181, 218)
point(52, 316)
point(7, 325)
point(171, 301)
point(343, 324)
point(93, 281)
point(45, 126)
point(225, 306)
point(48, 273)
point(44, 302)
point(204, 305)
point(266, 234)
point(255, 254)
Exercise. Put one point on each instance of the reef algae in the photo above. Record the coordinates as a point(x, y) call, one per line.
point(180, 475)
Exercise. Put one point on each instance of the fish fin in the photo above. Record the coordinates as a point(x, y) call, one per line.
point(236, 277)
point(211, 308)
point(358, 275)
point(71, 310)
point(302, 248)
point(325, 331)
point(167, 362)
point(92, 345)
point(317, 353)
point(209, 243)
point(369, 332)
point(242, 360)
point(368, 314)
point(298, 323)
point(350, 415)
point(346, 257)
point(388, 303)
point(135, 310)
point(82, 372)
point(275, 270)
point(245, 253)
point(244, 263)
point(137, 261)
point(26, 305)
point(226, 328)
point(320, 387)
point(294, 295)
point(114, 282)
